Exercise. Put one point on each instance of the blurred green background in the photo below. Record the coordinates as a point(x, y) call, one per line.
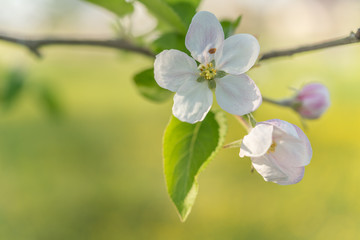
point(95, 171)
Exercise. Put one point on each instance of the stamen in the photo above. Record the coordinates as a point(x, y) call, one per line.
point(272, 147)
point(212, 50)
point(208, 72)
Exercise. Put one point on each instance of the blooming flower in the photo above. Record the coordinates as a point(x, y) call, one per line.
point(222, 67)
point(278, 150)
point(312, 100)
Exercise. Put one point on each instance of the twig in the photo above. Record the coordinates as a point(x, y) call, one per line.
point(352, 38)
point(246, 124)
point(34, 45)
point(284, 102)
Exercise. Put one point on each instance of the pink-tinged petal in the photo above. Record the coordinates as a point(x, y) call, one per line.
point(238, 54)
point(237, 95)
point(290, 150)
point(257, 142)
point(204, 37)
point(304, 139)
point(271, 171)
point(295, 175)
point(172, 68)
point(268, 169)
point(293, 148)
point(192, 101)
point(286, 127)
point(290, 153)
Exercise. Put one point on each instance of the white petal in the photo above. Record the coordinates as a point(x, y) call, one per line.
point(294, 176)
point(237, 94)
point(238, 54)
point(257, 142)
point(192, 101)
point(205, 33)
point(292, 152)
point(284, 126)
point(271, 171)
point(304, 139)
point(293, 147)
point(268, 169)
point(172, 68)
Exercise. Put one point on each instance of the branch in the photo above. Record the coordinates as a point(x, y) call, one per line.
point(352, 38)
point(34, 45)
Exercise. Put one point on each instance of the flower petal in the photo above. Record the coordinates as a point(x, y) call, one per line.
point(286, 127)
point(295, 175)
point(257, 142)
point(271, 171)
point(172, 68)
point(293, 147)
point(237, 94)
point(204, 37)
point(307, 144)
point(192, 101)
point(268, 169)
point(292, 152)
point(238, 54)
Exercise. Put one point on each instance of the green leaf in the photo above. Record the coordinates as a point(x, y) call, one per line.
point(195, 3)
point(171, 40)
point(188, 148)
point(119, 7)
point(50, 101)
point(13, 86)
point(230, 27)
point(148, 87)
point(164, 12)
point(185, 10)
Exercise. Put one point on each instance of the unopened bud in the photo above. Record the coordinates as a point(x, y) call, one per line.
point(311, 101)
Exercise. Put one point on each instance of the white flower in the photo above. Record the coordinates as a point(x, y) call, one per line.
point(278, 150)
point(222, 67)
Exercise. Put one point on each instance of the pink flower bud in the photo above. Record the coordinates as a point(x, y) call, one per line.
point(312, 101)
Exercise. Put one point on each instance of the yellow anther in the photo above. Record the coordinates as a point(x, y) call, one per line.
point(207, 71)
point(272, 147)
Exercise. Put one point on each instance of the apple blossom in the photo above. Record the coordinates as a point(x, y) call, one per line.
point(278, 150)
point(312, 100)
point(222, 67)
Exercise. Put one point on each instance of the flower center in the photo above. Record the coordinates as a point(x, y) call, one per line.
point(272, 147)
point(207, 71)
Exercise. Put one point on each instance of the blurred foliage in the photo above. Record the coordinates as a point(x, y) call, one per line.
point(50, 101)
point(165, 13)
point(148, 87)
point(171, 40)
point(14, 85)
point(185, 10)
point(119, 7)
point(230, 27)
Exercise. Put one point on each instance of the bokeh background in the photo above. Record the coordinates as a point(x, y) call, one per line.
point(80, 149)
